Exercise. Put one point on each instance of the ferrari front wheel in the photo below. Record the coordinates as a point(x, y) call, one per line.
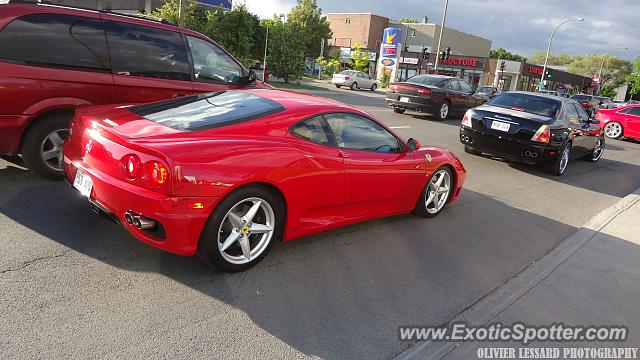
point(242, 229)
point(436, 193)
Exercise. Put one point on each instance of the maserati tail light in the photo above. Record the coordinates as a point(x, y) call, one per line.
point(543, 134)
point(466, 119)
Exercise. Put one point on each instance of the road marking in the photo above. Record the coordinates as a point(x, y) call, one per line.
point(399, 127)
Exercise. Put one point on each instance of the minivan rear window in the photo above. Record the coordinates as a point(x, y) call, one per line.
point(538, 105)
point(207, 111)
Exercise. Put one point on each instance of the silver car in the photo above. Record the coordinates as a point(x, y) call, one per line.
point(354, 80)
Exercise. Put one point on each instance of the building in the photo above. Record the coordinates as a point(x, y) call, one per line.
point(135, 6)
point(469, 53)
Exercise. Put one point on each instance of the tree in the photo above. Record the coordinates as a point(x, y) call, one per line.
point(615, 69)
point(503, 54)
point(408, 20)
point(554, 59)
point(385, 78)
point(634, 78)
point(237, 31)
point(307, 17)
point(360, 59)
point(285, 55)
point(329, 66)
point(170, 11)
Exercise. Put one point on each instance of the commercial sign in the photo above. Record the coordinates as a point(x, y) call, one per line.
point(533, 70)
point(464, 61)
point(390, 52)
point(387, 62)
point(406, 60)
point(220, 3)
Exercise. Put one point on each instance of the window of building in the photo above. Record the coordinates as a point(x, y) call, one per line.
point(347, 21)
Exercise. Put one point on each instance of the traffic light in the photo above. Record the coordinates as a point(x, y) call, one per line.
point(425, 54)
point(547, 74)
point(503, 65)
point(444, 55)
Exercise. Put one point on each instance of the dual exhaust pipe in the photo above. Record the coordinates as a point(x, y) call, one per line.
point(139, 221)
point(531, 154)
point(465, 138)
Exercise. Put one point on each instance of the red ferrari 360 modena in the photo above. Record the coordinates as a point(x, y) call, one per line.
point(225, 174)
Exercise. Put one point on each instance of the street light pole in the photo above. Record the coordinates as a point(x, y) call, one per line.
point(437, 52)
point(264, 63)
point(181, 14)
point(546, 58)
point(602, 64)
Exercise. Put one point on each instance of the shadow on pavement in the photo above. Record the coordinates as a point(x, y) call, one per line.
point(340, 294)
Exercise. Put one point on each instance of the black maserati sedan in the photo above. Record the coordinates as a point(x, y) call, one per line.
point(434, 94)
point(533, 128)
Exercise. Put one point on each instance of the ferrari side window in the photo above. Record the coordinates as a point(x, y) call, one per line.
point(311, 130)
point(356, 132)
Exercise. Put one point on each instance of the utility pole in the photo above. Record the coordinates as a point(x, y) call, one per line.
point(444, 19)
point(321, 53)
point(602, 65)
point(264, 63)
point(181, 13)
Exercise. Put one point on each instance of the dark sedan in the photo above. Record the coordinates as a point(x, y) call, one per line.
point(589, 102)
point(533, 128)
point(434, 94)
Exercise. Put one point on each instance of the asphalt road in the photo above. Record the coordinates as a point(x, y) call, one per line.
point(75, 285)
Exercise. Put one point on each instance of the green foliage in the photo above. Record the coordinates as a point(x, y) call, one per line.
point(634, 78)
point(615, 70)
point(408, 20)
point(554, 59)
point(384, 78)
point(360, 61)
point(307, 17)
point(608, 91)
point(236, 31)
point(170, 11)
point(329, 66)
point(285, 55)
point(503, 54)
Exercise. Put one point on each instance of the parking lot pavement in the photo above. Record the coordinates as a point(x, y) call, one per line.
point(75, 285)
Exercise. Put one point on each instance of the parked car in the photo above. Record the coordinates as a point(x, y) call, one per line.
point(189, 175)
point(604, 102)
point(533, 128)
point(619, 103)
point(549, 92)
point(588, 102)
point(621, 122)
point(354, 80)
point(488, 91)
point(54, 59)
point(435, 94)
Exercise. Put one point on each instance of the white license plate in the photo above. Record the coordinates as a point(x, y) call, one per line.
point(83, 183)
point(404, 99)
point(499, 125)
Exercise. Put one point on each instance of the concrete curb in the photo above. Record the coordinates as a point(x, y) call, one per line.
point(500, 298)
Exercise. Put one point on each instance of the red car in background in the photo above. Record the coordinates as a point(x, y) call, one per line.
point(226, 174)
point(620, 122)
point(54, 59)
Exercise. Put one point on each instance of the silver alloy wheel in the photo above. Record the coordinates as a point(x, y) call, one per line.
point(51, 149)
point(564, 160)
point(246, 230)
point(598, 150)
point(444, 110)
point(438, 191)
point(613, 130)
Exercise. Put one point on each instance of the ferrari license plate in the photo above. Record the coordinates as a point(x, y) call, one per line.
point(83, 183)
point(404, 99)
point(500, 126)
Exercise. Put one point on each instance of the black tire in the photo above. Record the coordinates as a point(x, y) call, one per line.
point(421, 206)
point(555, 168)
point(32, 144)
point(398, 110)
point(438, 115)
point(338, 86)
point(374, 87)
point(592, 156)
point(611, 124)
point(470, 150)
point(354, 86)
point(208, 246)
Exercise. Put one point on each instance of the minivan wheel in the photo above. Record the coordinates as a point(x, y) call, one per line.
point(42, 146)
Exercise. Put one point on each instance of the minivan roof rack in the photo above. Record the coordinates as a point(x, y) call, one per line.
point(142, 17)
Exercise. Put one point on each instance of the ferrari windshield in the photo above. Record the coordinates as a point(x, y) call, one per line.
point(206, 111)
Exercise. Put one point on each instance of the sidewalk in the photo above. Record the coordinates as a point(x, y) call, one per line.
point(591, 278)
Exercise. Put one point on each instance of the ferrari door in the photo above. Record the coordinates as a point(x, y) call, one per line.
point(380, 177)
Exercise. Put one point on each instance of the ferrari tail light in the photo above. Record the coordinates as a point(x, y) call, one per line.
point(131, 166)
point(543, 134)
point(156, 173)
point(466, 119)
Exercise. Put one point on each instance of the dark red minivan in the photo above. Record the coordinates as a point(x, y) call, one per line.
point(54, 59)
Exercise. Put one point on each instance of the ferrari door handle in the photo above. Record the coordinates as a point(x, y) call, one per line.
point(343, 154)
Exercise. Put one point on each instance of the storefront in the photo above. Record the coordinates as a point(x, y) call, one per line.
point(560, 81)
point(468, 68)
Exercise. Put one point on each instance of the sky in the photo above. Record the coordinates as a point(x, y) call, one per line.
point(521, 26)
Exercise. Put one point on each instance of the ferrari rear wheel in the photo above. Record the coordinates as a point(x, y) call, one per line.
point(242, 229)
point(436, 193)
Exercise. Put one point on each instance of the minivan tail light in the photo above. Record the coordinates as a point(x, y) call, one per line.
point(543, 134)
point(466, 119)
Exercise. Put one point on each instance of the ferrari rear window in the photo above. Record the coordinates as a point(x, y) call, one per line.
point(207, 111)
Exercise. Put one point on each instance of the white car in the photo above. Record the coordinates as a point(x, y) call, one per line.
point(354, 80)
point(619, 103)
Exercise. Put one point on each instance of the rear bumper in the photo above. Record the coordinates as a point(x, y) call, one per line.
point(11, 130)
point(341, 82)
point(180, 225)
point(529, 153)
point(415, 103)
